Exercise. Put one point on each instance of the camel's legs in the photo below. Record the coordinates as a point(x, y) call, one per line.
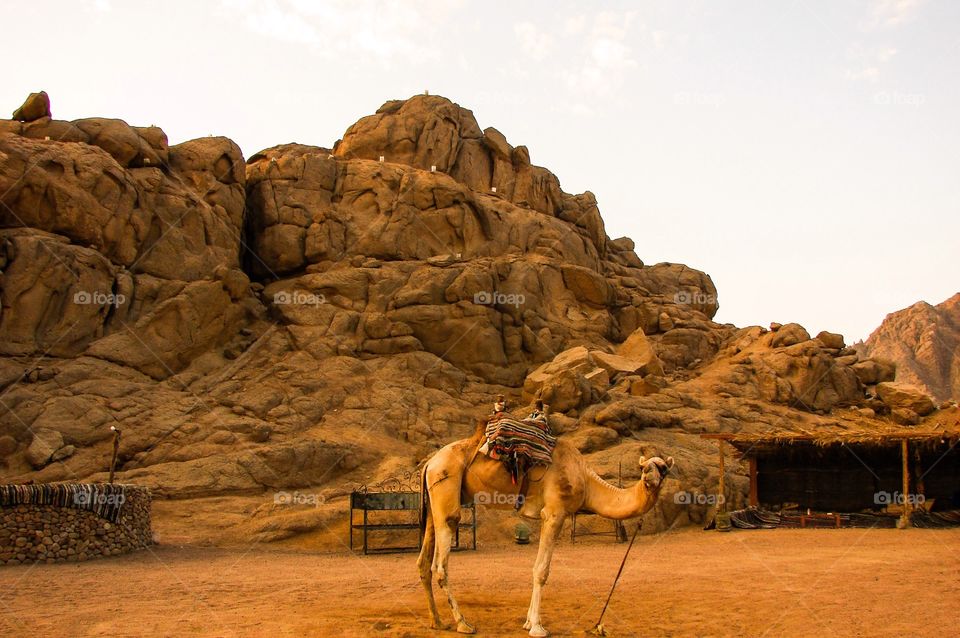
point(549, 533)
point(424, 565)
point(444, 530)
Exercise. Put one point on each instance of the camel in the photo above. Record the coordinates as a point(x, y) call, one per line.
point(456, 474)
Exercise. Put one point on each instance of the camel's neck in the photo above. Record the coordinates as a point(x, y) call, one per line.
point(614, 502)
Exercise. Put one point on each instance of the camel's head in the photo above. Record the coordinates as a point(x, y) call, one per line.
point(653, 471)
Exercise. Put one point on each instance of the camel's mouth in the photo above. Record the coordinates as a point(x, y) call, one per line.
point(654, 471)
point(654, 476)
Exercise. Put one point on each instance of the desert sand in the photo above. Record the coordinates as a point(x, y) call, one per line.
point(852, 582)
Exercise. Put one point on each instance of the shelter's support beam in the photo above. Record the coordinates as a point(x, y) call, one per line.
point(754, 499)
point(722, 496)
point(905, 458)
point(918, 475)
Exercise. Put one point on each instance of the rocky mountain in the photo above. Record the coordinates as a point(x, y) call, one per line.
point(311, 318)
point(924, 342)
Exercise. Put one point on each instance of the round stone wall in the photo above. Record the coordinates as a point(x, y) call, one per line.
point(72, 521)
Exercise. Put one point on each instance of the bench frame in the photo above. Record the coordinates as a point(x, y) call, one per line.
point(619, 531)
point(366, 502)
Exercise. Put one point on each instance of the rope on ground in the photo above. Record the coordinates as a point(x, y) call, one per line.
point(598, 629)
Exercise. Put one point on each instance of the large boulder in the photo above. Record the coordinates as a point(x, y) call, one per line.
point(901, 395)
point(214, 168)
point(587, 285)
point(616, 364)
point(114, 136)
point(788, 335)
point(872, 371)
point(36, 106)
point(571, 381)
point(637, 350)
point(637, 346)
point(55, 297)
point(45, 444)
point(831, 340)
point(424, 131)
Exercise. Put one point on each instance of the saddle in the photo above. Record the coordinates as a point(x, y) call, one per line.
point(519, 445)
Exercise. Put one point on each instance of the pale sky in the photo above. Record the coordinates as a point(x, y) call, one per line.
point(805, 154)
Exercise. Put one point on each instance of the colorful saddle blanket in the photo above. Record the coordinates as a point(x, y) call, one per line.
point(529, 439)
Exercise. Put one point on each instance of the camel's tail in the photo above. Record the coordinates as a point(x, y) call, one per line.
point(424, 502)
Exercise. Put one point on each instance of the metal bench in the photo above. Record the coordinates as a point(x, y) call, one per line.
point(373, 503)
point(618, 531)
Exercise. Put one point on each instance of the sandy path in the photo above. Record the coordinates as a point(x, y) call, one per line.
point(689, 583)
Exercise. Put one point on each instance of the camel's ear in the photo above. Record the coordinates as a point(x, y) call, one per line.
point(670, 462)
point(643, 461)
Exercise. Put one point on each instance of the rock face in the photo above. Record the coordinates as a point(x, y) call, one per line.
point(114, 243)
point(315, 318)
point(924, 342)
point(116, 194)
point(415, 252)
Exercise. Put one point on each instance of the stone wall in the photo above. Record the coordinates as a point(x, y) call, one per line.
point(72, 521)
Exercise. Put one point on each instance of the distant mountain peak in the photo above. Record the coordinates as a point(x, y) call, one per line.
point(924, 341)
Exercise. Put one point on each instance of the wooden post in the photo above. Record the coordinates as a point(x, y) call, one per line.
point(905, 457)
point(754, 499)
point(918, 486)
point(116, 450)
point(721, 497)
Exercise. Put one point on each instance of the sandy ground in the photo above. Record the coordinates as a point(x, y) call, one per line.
point(687, 583)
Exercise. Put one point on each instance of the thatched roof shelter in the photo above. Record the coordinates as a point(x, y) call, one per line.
point(851, 466)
